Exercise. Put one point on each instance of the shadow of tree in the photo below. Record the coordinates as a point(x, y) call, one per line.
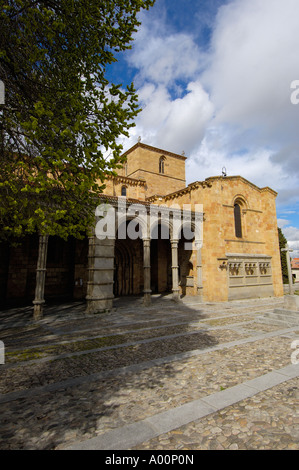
point(119, 383)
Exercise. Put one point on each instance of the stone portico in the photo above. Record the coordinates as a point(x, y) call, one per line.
point(142, 258)
point(234, 255)
point(222, 242)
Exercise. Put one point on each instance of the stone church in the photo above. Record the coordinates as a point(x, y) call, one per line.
point(216, 239)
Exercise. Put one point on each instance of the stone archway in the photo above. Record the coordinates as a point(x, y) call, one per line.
point(123, 270)
point(128, 267)
point(161, 275)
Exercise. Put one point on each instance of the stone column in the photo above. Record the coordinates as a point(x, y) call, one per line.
point(288, 251)
point(147, 271)
point(100, 275)
point(198, 246)
point(175, 270)
point(40, 277)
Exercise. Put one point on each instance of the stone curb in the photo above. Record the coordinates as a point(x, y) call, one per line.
point(204, 327)
point(76, 381)
point(134, 434)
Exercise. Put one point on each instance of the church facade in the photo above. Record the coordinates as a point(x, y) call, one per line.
point(216, 239)
point(232, 253)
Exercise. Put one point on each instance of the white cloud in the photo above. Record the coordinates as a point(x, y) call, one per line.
point(255, 164)
point(175, 107)
point(291, 234)
point(282, 222)
point(229, 106)
point(295, 247)
point(253, 62)
point(162, 56)
point(174, 124)
point(289, 212)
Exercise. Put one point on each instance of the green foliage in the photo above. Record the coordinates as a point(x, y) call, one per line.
point(284, 267)
point(61, 115)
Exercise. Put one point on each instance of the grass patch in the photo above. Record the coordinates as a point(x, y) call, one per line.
point(25, 355)
point(71, 347)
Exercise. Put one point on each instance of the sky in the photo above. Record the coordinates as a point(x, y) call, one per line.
point(214, 79)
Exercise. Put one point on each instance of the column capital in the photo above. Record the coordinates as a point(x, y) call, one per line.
point(198, 244)
point(146, 242)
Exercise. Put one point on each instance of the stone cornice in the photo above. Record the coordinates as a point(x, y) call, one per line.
point(188, 189)
point(127, 180)
point(155, 197)
point(114, 200)
point(237, 177)
point(154, 149)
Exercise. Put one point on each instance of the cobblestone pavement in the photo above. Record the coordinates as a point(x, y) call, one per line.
point(70, 377)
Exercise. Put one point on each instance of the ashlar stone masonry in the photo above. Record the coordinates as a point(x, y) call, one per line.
point(233, 255)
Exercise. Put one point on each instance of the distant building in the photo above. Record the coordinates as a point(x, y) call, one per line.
point(295, 269)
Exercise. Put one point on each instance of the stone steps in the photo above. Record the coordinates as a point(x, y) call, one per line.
point(287, 318)
point(287, 315)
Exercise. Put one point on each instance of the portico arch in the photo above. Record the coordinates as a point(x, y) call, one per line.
point(161, 276)
point(128, 265)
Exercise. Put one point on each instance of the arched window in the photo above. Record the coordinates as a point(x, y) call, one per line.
point(238, 222)
point(123, 191)
point(161, 165)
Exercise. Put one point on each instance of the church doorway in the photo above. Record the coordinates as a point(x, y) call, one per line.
point(128, 267)
point(161, 275)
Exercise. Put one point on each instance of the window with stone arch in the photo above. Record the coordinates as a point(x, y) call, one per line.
point(239, 204)
point(123, 190)
point(161, 165)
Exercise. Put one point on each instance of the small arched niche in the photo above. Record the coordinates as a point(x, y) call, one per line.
point(162, 165)
point(239, 206)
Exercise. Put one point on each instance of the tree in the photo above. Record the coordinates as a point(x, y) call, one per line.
point(61, 115)
point(284, 267)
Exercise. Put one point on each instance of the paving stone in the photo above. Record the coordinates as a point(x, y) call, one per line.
point(169, 373)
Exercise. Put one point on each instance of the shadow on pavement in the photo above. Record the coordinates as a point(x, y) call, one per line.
point(97, 350)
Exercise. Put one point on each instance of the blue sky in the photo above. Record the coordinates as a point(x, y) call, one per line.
point(214, 80)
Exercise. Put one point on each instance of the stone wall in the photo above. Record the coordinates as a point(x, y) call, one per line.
point(135, 188)
point(143, 163)
point(249, 276)
point(66, 275)
point(259, 231)
point(229, 265)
